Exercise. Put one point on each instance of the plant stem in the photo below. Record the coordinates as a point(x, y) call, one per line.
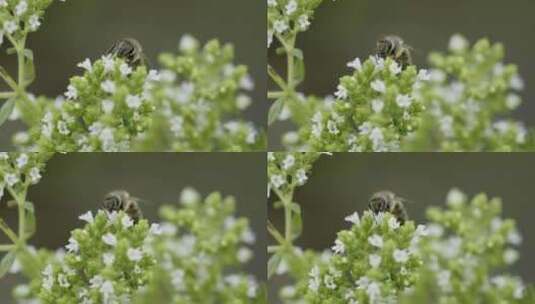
point(6, 95)
point(10, 234)
point(6, 247)
point(21, 200)
point(20, 58)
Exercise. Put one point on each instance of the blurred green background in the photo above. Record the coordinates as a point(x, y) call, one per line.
point(75, 30)
point(77, 182)
point(345, 29)
point(343, 183)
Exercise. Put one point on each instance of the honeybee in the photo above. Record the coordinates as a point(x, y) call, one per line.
point(121, 200)
point(387, 201)
point(130, 50)
point(395, 48)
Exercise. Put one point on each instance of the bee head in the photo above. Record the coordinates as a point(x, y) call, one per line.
point(114, 201)
point(381, 201)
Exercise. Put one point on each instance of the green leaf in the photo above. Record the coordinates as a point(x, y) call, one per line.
point(299, 70)
point(6, 110)
point(29, 229)
point(298, 54)
point(273, 264)
point(11, 51)
point(28, 54)
point(295, 208)
point(275, 110)
point(297, 225)
point(29, 68)
point(6, 262)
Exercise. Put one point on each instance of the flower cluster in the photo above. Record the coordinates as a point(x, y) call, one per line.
point(198, 97)
point(469, 94)
point(106, 262)
point(193, 255)
point(200, 250)
point(288, 170)
point(373, 262)
point(288, 17)
point(375, 109)
point(20, 170)
point(19, 17)
point(103, 111)
point(468, 244)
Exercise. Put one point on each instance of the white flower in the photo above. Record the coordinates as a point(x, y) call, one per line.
point(338, 247)
point(73, 245)
point(86, 65)
point(314, 279)
point(341, 93)
point(10, 27)
point(243, 101)
point(510, 256)
point(377, 105)
point(63, 128)
point(177, 279)
point(329, 282)
point(457, 43)
point(517, 83)
point(109, 239)
point(34, 22)
point(272, 3)
point(362, 282)
point(187, 43)
point(10, 179)
point(133, 101)
point(108, 258)
point(22, 160)
point(125, 69)
point(127, 222)
point(355, 64)
point(291, 7)
point(108, 63)
point(269, 38)
point(377, 138)
point(373, 291)
point(400, 256)
point(88, 217)
point(303, 22)
point(288, 162)
point(244, 255)
point(63, 281)
point(280, 26)
point(395, 68)
point(353, 218)
point(393, 223)
point(248, 237)
point(189, 196)
point(374, 260)
point(3, 3)
point(72, 92)
point(455, 197)
point(96, 281)
point(301, 176)
point(403, 101)
point(34, 174)
point(277, 181)
point(247, 83)
point(107, 290)
point(107, 106)
point(443, 280)
point(378, 85)
point(108, 86)
point(423, 75)
point(21, 8)
point(514, 238)
point(134, 255)
point(376, 240)
point(332, 127)
point(155, 229)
